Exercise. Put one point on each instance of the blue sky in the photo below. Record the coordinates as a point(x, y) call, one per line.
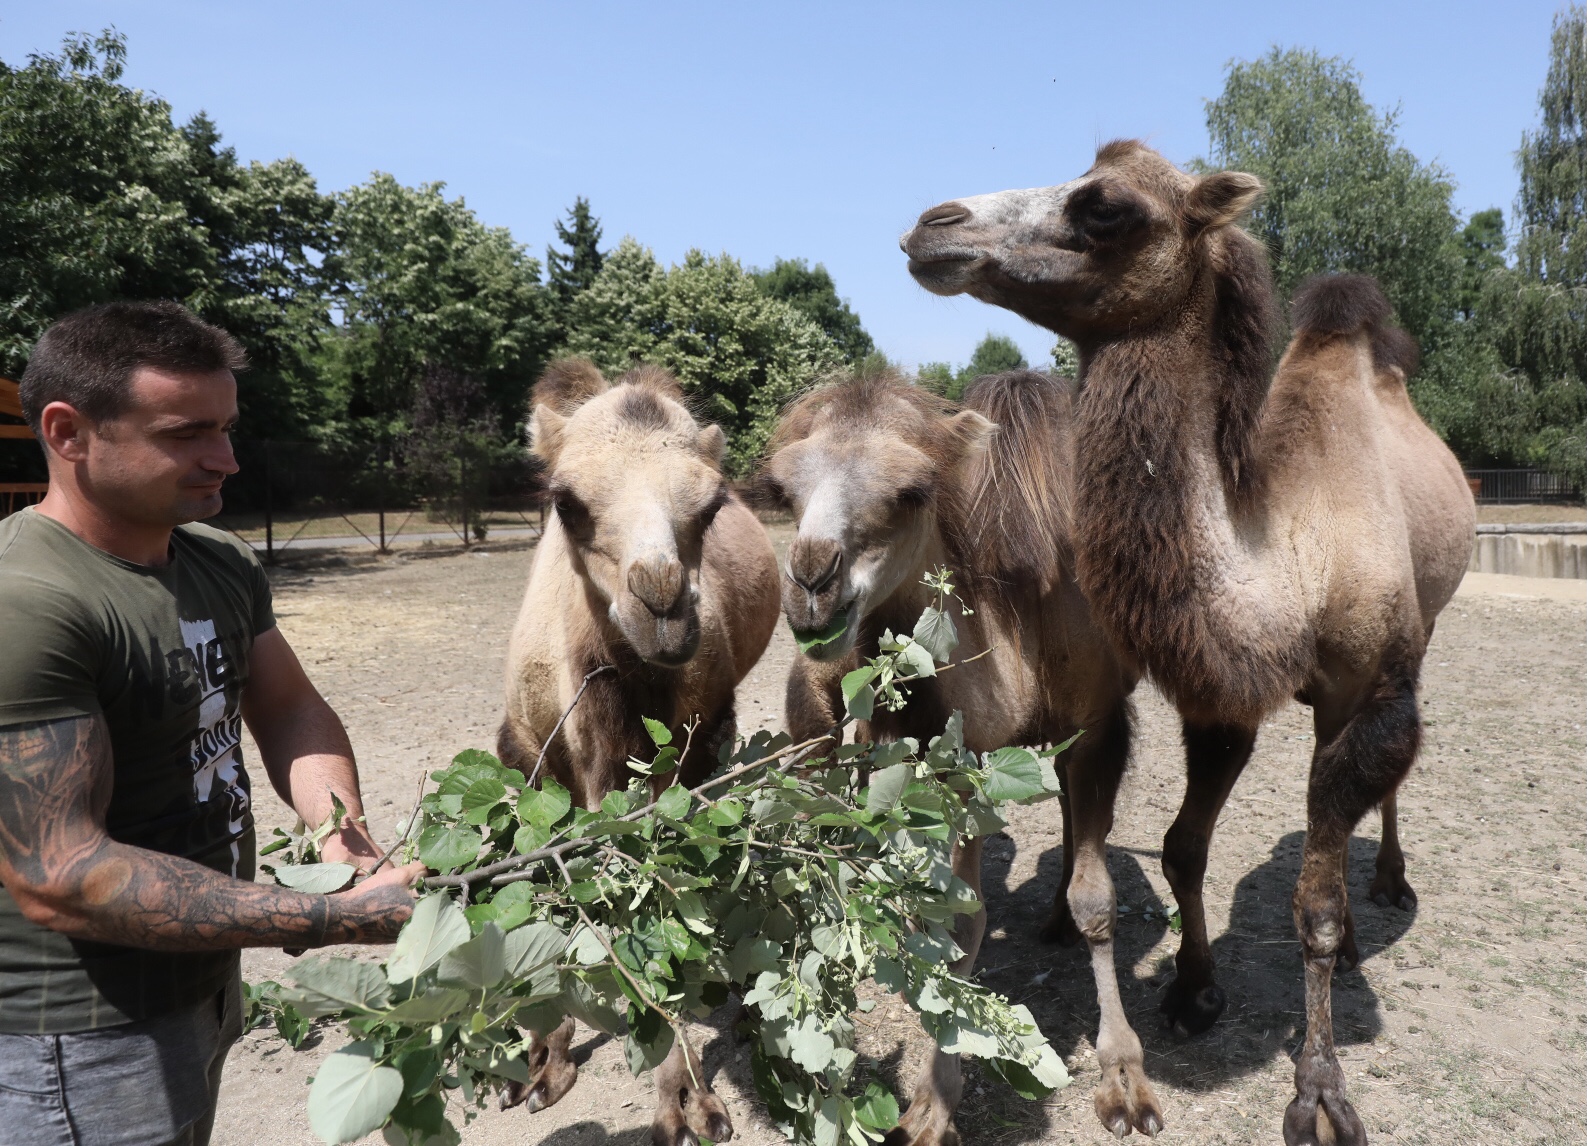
point(811, 129)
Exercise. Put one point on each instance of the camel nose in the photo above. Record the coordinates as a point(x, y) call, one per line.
point(813, 562)
point(658, 582)
point(944, 215)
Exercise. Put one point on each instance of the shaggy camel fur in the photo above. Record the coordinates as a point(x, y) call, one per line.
point(652, 568)
point(888, 482)
point(1242, 538)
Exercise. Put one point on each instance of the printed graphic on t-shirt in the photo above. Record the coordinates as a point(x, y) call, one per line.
point(216, 753)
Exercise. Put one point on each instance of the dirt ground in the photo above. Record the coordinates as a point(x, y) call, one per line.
point(1465, 1023)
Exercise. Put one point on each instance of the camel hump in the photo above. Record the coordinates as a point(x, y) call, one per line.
point(1355, 304)
point(647, 376)
point(568, 383)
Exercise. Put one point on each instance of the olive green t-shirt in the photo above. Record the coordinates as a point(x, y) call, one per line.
point(162, 654)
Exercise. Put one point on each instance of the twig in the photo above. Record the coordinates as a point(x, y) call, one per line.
point(616, 962)
point(407, 829)
point(566, 712)
point(789, 755)
point(965, 661)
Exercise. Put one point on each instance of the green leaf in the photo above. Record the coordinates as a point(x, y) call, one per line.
point(530, 838)
point(674, 802)
point(445, 847)
point(918, 658)
point(810, 1046)
point(482, 795)
point(432, 1006)
point(530, 948)
point(315, 878)
point(750, 956)
point(935, 633)
point(877, 1108)
point(327, 985)
point(479, 964)
point(1012, 774)
point(547, 806)
point(809, 640)
point(643, 1056)
point(514, 904)
point(886, 786)
point(352, 1095)
point(476, 757)
point(437, 926)
point(660, 735)
point(726, 813)
point(859, 698)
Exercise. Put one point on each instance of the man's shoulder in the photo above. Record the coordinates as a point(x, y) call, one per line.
point(218, 543)
point(32, 558)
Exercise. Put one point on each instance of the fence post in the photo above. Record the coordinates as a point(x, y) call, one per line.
point(270, 537)
point(462, 488)
point(380, 487)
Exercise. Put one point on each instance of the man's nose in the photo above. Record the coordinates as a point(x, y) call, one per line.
point(222, 459)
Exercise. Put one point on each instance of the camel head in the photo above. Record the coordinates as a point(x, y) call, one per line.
point(635, 483)
point(863, 464)
point(1112, 250)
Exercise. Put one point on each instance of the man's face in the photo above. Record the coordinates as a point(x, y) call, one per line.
point(162, 460)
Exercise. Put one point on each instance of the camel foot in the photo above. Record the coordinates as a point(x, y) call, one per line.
point(1319, 1114)
point(551, 1072)
point(682, 1119)
point(1389, 889)
point(1191, 1010)
point(1060, 928)
point(1124, 1101)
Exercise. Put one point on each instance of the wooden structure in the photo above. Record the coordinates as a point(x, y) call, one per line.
point(16, 494)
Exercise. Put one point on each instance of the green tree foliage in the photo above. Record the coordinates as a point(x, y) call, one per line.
point(811, 291)
point(739, 352)
point(573, 270)
point(102, 196)
point(992, 355)
point(1482, 247)
point(423, 284)
point(1342, 194)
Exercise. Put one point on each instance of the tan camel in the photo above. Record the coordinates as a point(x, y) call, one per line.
point(1242, 538)
point(889, 482)
point(651, 568)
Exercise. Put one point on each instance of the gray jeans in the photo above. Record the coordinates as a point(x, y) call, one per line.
point(149, 1083)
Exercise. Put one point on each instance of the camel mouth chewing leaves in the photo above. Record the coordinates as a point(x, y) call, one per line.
point(829, 639)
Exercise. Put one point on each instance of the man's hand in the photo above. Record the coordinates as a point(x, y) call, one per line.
point(378, 906)
point(351, 844)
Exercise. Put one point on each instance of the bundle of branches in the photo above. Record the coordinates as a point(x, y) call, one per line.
point(790, 878)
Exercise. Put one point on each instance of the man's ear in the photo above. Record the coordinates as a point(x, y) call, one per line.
point(1220, 198)
point(545, 433)
point(713, 444)
point(63, 431)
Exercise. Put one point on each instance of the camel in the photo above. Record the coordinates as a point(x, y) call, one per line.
point(656, 579)
point(1244, 536)
point(888, 482)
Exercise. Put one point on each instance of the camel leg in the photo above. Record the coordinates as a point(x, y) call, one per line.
point(1123, 1098)
point(813, 702)
point(687, 1109)
point(1389, 886)
point(1369, 753)
point(1060, 926)
point(552, 1071)
point(929, 1119)
point(1215, 755)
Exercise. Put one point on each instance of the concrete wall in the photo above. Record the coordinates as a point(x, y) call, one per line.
point(1531, 555)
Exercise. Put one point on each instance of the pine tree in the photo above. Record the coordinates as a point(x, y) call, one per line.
point(574, 271)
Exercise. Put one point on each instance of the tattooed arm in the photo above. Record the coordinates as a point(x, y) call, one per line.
point(304, 747)
point(67, 874)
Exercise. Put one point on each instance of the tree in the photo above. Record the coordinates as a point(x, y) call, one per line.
point(742, 353)
point(423, 284)
point(992, 355)
point(568, 273)
point(812, 292)
point(1341, 193)
point(1482, 246)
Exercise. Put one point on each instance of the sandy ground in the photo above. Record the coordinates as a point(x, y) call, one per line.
point(1465, 1023)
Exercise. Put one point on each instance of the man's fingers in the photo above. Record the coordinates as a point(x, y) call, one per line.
point(405, 876)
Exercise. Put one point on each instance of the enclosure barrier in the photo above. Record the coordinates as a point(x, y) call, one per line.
point(1522, 487)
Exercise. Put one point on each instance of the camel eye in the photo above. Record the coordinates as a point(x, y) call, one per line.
point(575, 516)
point(708, 514)
point(914, 496)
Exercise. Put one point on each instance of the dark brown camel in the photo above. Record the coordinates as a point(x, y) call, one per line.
point(1243, 540)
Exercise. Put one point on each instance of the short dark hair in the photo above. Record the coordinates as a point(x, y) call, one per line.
point(87, 358)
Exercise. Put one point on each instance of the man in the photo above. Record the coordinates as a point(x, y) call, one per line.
point(135, 646)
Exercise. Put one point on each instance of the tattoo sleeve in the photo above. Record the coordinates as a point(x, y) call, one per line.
point(67, 874)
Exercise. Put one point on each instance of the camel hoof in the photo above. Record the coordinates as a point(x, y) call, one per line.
point(1060, 929)
point(1188, 1011)
point(1124, 1101)
point(1391, 890)
point(1322, 1120)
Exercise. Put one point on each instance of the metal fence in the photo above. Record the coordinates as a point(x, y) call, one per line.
point(1512, 487)
point(307, 495)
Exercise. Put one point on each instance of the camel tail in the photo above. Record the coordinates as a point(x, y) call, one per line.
point(1355, 304)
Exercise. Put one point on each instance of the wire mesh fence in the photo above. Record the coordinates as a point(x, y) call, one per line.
point(1517, 487)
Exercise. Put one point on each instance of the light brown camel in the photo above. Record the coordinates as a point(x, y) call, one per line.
point(888, 482)
point(1242, 537)
point(651, 567)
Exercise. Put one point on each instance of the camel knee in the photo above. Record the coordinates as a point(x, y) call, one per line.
point(1184, 855)
point(1321, 912)
point(513, 750)
point(1091, 900)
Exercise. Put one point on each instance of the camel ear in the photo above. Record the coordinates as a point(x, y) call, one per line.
point(974, 432)
point(713, 444)
point(545, 433)
point(1221, 198)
